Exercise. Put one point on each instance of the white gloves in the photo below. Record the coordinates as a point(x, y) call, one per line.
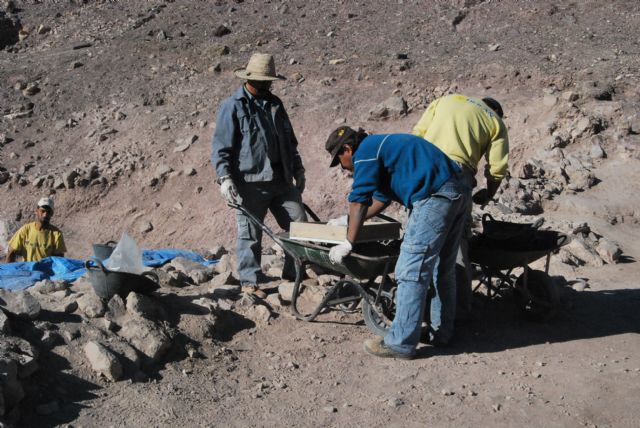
point(339, 252)
point(300, 181)
point(229, 191)
point(343, 220)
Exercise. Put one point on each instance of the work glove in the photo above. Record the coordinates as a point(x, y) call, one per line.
point(230, 191)
point(300, 181)
point(339, 252)
point(343, 220)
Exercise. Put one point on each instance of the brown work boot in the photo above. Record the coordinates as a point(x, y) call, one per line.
point(255, 290)
point(376, 347)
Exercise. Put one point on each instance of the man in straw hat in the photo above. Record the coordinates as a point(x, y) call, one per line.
point(37, 240)
point(255, 155)
point(405, 169)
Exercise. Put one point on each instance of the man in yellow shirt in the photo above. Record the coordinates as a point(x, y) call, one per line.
point(37, 240)
point(466, 129)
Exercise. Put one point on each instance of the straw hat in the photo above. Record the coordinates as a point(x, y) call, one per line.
point(260, 67)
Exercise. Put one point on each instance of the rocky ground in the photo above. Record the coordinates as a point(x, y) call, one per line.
point(110, 108)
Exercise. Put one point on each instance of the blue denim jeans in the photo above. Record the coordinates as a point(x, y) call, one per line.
point(464, 271)
point(428, 251)
point(285, 203)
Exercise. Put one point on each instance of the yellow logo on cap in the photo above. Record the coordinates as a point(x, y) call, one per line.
point(341, 133)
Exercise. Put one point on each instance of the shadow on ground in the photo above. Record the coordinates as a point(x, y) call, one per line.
point(498, 324)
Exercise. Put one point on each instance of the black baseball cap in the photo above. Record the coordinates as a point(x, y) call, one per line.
point(339, 137)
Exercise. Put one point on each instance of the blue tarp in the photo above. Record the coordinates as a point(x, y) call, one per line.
point(18, 276)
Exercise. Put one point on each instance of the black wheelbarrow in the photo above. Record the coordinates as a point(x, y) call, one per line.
point(357, 274)
point(107, 283)
point(503, 247)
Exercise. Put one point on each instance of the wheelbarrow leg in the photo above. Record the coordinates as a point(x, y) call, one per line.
point(296, 293)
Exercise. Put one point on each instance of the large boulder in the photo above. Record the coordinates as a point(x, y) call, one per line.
point(91, 305)
point(146, 337)
point(103, 361)
point(20, 303)
point(143, 306)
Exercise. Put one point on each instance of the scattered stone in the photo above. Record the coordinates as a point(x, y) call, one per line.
point(392, 107)
point(608, 250)
point(336, 61)
point(273, 300)
point(186, 265)
point(570, 96)
point(144, 306)
point(116, 308)
point(225, 278)
point(580, 285)
point(225, 264)
point(47, 286)
point(127, 355)
point(493, 47)
point(259, 314)
point(43, 29)
point(103, 361)
point(395, 402)
point(597, 152)
point(330, 409)
point(580, 250)
point(4, 324)
point(20, 303)
point(285, 290)
point(209, 306)
point(91, 305)
point(31, 89)
point(146, 337)
point(200, 276)
point(221, 30)
point(146, 227)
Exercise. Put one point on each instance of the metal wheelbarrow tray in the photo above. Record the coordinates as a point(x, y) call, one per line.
point(358, 272)
point(536, 294)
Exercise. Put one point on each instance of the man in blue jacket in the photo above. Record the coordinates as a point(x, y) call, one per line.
point(255, 154)
point(405, 169)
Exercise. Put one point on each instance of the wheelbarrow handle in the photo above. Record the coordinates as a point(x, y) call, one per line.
point(310, 212)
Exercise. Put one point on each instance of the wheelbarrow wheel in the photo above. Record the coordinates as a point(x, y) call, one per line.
point(378, 317)
point(538, 298)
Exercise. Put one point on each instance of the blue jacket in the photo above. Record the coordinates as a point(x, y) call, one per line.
point(240, 143)
point(399, 167)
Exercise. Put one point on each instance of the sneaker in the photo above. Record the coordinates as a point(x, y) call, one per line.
point(377, 348)
point(253, 289)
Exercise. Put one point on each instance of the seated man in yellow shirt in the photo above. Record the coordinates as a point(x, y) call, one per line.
point(466, 129)
point(37, 240)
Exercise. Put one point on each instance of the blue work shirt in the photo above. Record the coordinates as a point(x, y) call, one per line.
point(399, 167)
point(254, 140)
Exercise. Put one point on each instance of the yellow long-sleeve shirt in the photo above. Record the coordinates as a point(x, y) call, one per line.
point(466, 129)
